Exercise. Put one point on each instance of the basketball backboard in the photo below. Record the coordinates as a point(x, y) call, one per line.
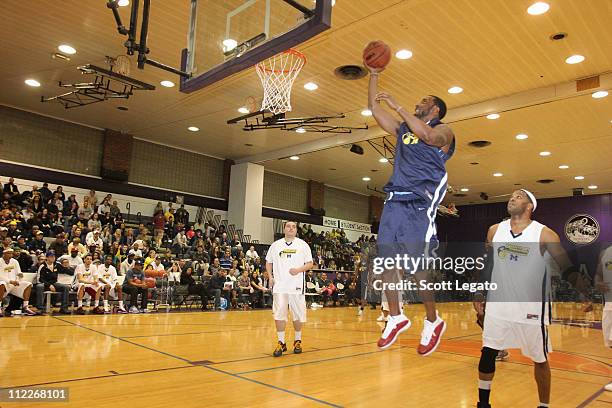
point(226, 37)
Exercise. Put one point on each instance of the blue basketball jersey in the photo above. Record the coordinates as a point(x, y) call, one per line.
point(419, 168)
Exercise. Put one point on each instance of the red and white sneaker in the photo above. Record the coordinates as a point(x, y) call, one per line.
point(430, 336)
point(395, 326)
point(28, 312)
point(121, 310)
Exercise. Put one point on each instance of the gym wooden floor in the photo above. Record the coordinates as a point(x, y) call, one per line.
point(224, 359)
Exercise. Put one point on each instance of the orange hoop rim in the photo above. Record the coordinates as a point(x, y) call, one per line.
point(291, 51)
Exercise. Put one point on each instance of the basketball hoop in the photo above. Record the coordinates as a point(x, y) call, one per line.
point(277, 75)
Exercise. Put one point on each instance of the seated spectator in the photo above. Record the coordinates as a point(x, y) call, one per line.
point(179, 244)
point(251, 254)
point(59, 245)
point(11, 189)
point(23, 258)
point(85, 212)
point(257, 296)
point(194, 288)
point(328, 290)
point(135, 285)
point(341, 283)
point(215, 267)
point(48, 274)
point(136, 250)
point(94, 241)
point(86, 281)
point(226, 260)
point(94, 222)
point(76, 244)
point(127, 264)
point(244, 286)
point(104, 207)
point(92, 198)
point(150, 258)
point(74, 259)
point(114, 210)
point(107, 274)
point(11, 282)
point(267, 285)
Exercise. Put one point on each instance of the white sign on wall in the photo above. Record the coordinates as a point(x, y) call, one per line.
point(346, 225)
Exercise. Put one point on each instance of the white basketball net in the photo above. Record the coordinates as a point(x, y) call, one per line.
point(277, 74)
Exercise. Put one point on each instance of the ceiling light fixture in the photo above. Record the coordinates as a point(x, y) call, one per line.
point(123, 3)
point(592, 187)
point(366, 178)
point(493, 116)
point(574, 59)
point(403, 54)
point(32, 82)
point(242, 109)
point(579, 178)
point(521, 136)
point(366, 112)
point(294, 158)
point(167, 84)
point(538, 8)
point(498, 174)
point(564, 167)
point(229, 44)
point(599, 94)
point(455, 90)
point(465, 190)
point(311, 86)
point(545, 154)
point(193, 128)
point(300, 130)
point(383, 160)
point(67, 49)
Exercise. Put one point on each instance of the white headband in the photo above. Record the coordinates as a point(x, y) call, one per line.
point(531, 197)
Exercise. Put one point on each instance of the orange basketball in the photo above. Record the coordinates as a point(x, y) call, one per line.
point(377, 54)
point(150, 282)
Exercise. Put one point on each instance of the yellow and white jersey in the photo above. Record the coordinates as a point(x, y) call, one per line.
point(88, 273)
point(284, 255)
point(109, 274)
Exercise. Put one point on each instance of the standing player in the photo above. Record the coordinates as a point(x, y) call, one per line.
point(86, 280)
point(518, 311)
point(603, 282)
point(107, 274)
point(286, 261)
point(416, 188)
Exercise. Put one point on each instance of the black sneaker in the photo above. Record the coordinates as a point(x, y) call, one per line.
point(280, 348)
point(483, 405)
point(80, 311)
point(297, 346)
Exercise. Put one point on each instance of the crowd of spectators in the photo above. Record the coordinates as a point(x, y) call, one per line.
point(204, 260)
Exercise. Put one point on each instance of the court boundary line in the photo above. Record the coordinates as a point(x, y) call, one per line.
point(592, 398)
point(182, 334)
point(206, 366)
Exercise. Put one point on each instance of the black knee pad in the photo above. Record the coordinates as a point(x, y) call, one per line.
point(487, 360)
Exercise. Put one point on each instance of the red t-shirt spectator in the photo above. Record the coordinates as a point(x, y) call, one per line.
point(159, 220)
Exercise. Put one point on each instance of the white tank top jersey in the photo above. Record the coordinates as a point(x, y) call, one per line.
point(87, 273)
point(283, 256)
point(606, 269)
point(108, 274)
point(522, 276)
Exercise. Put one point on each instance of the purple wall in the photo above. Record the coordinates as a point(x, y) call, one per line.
point(474, 221)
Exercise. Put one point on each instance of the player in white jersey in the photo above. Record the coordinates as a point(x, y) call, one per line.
point(11, 283)
point(517, 312)
point(603, 283)
point(107, 275)
point(286, 261)
point(86, 280)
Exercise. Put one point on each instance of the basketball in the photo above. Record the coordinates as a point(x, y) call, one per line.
point(376, 54)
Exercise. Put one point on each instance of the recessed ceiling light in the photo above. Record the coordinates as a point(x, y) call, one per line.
point(300, 130)
point(167, 84)
point(545, 153)
point(403, 54)
point(521, 136)
point(564, 167)
point(493, 116)
point(574, 59)
point(579, 178)
point(66, 49)
point(366, 112)
point(311, 86)
point(193, 128)
point(383, 160)
point(123, 3)
point(294, 158)
point(229, 44)
point(242, 109)
point(592, 187)
point(366, 178)
point(498, 174)
point(455, 90)
point(599, 94)
point(32, 82)
point(538, 8)
point(465, 190)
